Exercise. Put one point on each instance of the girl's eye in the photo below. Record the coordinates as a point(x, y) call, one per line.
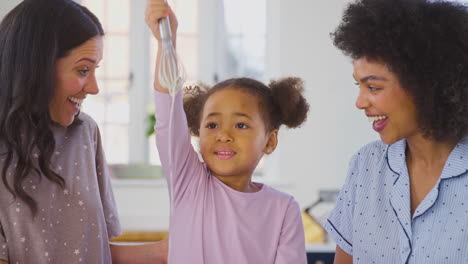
point(211, 126)
point(242, 126)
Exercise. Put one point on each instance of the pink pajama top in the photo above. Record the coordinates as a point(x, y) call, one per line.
point(212, 223)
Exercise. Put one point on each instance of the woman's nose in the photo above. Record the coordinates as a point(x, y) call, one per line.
point(91, 87)
point(362, 102)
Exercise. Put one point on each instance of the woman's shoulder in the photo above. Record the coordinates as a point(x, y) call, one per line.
point(87, 119)
point(369, 157)
point(84, 126)
point(372, 150)
point(85, 122)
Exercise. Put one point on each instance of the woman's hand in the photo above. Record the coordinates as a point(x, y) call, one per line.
point(147, 253)
point(342, 257)
point(155, 10)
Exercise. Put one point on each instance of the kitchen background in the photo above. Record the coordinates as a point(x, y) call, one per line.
point(218, 39)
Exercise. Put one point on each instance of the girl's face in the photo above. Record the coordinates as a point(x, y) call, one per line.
point(75, 78)
point(384, 101)
point(232, 133)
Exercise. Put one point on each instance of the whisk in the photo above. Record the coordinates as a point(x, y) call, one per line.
point(171, 76)
point(171, 72)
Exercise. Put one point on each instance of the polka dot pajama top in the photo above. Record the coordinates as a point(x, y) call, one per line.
point(372, 219)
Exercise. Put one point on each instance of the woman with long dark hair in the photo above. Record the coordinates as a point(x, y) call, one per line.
point(56, 201)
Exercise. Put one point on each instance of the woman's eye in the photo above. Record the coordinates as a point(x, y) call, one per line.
point(242, 126)
point(373, 88)
point(83, 72)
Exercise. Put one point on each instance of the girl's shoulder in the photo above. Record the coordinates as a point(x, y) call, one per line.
point(274, 195)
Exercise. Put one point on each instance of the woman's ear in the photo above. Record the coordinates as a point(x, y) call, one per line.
point(272, 142)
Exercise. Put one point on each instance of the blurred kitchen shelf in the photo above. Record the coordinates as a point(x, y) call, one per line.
point(139, 182)
point(140, 236)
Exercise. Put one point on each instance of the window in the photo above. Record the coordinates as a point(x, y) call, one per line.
point(125, 76)
point(111, 108)
point(245, 37)
point(213, 42)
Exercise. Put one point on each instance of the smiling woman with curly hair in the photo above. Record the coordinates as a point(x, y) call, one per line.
point(404, 196)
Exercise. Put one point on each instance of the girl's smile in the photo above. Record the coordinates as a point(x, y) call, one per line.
point(225, 153)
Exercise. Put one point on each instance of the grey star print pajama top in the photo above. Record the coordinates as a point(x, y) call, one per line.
point(74, 224)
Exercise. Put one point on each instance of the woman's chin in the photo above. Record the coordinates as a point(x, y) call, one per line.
point(389, 140)
point(65, 121)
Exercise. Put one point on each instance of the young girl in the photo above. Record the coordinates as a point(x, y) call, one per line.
point(218, 214)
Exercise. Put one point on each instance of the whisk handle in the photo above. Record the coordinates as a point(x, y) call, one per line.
point(165, 27)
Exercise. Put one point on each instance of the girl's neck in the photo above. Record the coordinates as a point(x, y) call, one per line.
point(244, 184)
point(427, 151)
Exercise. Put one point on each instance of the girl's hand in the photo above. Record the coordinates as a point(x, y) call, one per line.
point(155, 10)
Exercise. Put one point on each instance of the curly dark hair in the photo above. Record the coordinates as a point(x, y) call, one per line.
point(281, 102)
point(425, 44)
point(33, 36)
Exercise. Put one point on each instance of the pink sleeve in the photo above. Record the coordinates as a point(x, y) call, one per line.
point(185, 162)
point(291, 248)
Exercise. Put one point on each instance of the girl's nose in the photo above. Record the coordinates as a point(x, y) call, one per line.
point(223, 136)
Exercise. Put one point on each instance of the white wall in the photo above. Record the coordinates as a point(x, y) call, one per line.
point(316, 155)
point(7, 5)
